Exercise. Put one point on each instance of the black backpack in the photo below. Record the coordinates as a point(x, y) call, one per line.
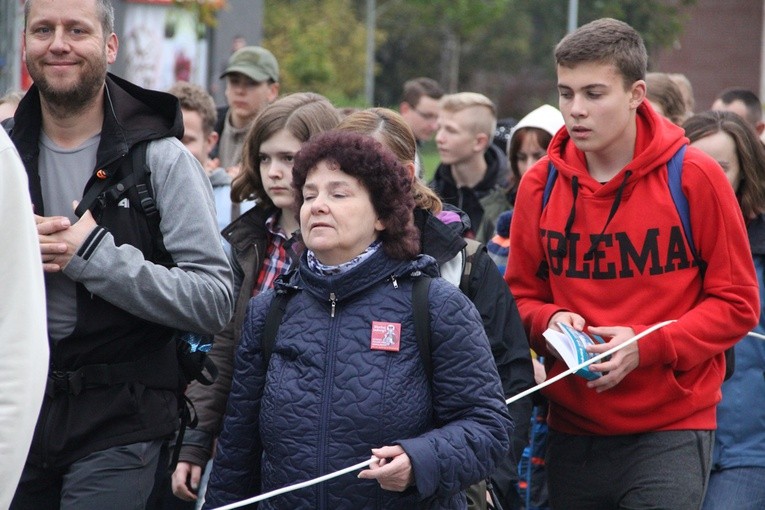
point(191, 348)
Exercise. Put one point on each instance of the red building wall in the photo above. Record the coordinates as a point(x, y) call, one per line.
point(721, 46)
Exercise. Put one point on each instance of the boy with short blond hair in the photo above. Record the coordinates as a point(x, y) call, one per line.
point(471, 166)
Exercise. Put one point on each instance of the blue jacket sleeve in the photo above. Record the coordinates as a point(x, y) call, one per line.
point(236, 470)
point(473, 427)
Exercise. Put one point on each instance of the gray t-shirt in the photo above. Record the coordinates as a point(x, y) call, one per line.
point(63, 175)
point(231, 143)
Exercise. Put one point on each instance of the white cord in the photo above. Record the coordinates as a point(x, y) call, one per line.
point(590, 361)
point(756, 335)
point(300, 485)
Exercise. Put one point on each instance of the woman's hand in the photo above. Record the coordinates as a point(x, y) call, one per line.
point(393, 470)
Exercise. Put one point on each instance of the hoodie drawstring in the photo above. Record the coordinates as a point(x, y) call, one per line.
point(614, 207)
point(562, 249)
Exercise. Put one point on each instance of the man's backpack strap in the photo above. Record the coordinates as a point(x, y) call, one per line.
point(421, 314)
point(142, 175)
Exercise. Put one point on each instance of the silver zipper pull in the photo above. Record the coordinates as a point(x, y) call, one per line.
point(395, 283)
point(333, 302)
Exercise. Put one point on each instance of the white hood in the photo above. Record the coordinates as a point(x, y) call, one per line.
point(546, 117)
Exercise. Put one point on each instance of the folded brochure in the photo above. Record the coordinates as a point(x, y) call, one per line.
point(570, 344)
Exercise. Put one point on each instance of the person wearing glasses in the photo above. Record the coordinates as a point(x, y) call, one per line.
point(419, 108)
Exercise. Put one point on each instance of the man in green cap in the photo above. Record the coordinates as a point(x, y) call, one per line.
point(252, 82)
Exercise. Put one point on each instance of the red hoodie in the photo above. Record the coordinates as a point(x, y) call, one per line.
point(641, 274)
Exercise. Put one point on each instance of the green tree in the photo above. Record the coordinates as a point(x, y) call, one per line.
point(503, 47)
point(320, 46)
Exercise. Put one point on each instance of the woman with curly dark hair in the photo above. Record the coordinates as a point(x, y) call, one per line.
point(441, 237)
point(345, 375)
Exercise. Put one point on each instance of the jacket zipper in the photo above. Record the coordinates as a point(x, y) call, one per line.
point(326, 402)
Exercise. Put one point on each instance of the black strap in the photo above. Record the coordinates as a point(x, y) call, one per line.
point(142, 176)
point(137, 176)
point(149, 370)
point(188, 419)
point(271, 327)
point(421, 314)
point(92, 194)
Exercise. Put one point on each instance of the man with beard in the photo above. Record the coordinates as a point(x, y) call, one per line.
point(115, 293)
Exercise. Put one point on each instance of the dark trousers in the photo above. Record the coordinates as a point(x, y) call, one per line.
point(656, 470)
point(118, 478)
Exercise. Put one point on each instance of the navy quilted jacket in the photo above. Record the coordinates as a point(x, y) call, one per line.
point(327, 398)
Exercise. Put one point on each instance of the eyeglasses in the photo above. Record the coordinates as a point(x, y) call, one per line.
point(430, 117)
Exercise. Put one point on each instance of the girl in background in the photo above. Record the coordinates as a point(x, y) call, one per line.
point(262, 247)
point(737, 479)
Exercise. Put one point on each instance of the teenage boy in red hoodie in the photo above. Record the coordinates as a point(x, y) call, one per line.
point(607, 254)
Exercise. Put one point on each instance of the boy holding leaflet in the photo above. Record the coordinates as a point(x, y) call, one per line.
point(608, 255)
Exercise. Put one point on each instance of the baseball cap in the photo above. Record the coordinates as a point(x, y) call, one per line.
point(255, 62)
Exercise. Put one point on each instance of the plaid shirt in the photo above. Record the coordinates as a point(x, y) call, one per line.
point(282, 253)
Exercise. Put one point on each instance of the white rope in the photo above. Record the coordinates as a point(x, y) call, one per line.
point(372, 460)
point(590, 361)
point(300, 485)
point(756, 335)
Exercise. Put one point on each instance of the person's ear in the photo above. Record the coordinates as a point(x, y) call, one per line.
point(760, 128)
point(481, 142)
point(211, 140)
point(112, 45)
point(411, 168)
point(637, 94)
point(379, 225)
point(404, 108)
point(273, 92)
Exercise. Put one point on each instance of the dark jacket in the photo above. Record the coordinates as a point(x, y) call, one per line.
point(491, 296)
point(249, 239)
point(469, 199)
point(487, 291)
point(114, 379)
point(327, 398)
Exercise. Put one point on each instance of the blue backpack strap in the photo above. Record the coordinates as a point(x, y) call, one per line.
point(675, 176)
point(552, 174)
